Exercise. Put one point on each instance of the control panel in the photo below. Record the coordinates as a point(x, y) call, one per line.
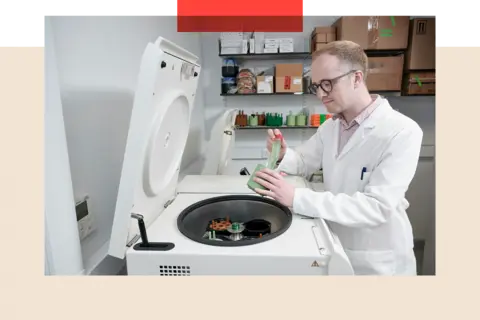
point(84, 219)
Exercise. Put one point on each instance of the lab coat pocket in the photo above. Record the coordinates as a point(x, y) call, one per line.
point(374, 262)
point(364, 181)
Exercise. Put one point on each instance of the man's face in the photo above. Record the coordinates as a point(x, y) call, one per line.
point(341, 90)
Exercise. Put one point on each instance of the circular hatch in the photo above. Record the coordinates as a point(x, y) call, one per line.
point(166, 145)
point(234, 220)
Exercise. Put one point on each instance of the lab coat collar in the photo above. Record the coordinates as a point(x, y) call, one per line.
point(365, 128)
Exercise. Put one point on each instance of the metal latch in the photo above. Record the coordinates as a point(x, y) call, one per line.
point(169, 202)
point(228, 132)
point(187, 69)
point(133, 241)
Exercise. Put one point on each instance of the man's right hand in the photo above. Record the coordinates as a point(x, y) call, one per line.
point(271, 137)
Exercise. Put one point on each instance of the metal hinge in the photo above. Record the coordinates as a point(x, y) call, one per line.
point(169, 202)
point(133, 241)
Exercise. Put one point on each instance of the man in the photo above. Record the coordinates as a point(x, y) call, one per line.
point(369, 154)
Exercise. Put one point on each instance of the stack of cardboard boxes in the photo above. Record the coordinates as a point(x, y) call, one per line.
point(420, 63)
point(394, 45)
point(321, 36)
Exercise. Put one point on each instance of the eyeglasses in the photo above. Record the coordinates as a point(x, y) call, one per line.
point(327, 84)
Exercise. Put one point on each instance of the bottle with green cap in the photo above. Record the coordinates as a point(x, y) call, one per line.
point(290, 119)
point(301, 119)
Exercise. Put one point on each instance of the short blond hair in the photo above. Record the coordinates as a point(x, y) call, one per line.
point(348, 52)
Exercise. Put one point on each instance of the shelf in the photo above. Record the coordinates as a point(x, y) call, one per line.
point(305, 55)
point(274, 127)
point(384, 53)
point(296, 94)
point(268, 56)
point(266, 94)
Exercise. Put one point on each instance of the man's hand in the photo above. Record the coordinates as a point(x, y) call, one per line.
point(277, 187)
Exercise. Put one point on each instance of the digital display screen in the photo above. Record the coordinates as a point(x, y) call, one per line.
point(82, 210)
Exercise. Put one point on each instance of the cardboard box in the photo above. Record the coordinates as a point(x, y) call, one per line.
point(385, 73)
point(324, 34)
point(419, 83)
point(421, 45)
point(321, 36)
point(289, 77)
point(265, 84)
point(375, 32)
point(317, 46)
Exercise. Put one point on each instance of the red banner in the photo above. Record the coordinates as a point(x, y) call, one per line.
point(250, 15)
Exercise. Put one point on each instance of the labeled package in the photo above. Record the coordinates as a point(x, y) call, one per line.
point(289, 77)
point(421, 49)
point(375, 32)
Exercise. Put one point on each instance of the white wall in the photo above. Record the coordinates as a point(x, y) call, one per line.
point(62, 246)
point(98, 61)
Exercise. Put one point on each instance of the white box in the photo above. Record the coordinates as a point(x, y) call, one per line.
point(245, 46)
point(252, 46)
point(231, 36)
point(264, 86)
point(231, 43)
point(259, 46)
point(271, 46)
point(270, 50)
point(272, 41)
point(237, 50)
point(285, 41)
point(285, 49)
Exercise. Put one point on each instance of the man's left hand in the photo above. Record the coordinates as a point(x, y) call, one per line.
point(277, 187)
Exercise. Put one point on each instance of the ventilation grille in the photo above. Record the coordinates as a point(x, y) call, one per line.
point(421, 27)
point(175, 271)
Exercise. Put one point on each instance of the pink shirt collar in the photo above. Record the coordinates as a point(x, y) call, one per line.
point(377, 100)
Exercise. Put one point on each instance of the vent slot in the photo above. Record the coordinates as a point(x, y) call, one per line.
point(174, 271)
point(421, 27)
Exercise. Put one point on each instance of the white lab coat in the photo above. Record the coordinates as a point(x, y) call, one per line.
point(368, 214)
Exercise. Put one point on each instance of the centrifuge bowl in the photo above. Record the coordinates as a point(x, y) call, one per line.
point(193, 221)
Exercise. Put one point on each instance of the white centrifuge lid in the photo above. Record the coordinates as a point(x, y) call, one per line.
point(157, 136)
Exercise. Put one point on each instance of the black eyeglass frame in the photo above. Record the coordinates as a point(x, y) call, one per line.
point(314, 86)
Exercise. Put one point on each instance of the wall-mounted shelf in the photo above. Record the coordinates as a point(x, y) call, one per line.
point(268, 56)
point(384, 53)
point(295, 94)
point(266, 94)
point(304, 55)
point(274, 127)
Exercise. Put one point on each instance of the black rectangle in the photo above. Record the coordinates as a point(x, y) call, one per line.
point(460, 24)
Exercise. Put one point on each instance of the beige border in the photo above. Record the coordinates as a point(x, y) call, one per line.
point(27, 294)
